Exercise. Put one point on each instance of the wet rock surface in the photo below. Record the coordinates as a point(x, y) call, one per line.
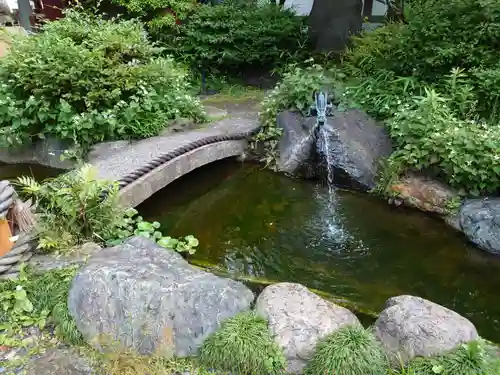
point(480, 221)
point(412, 326)
point(150, 300)
point(357, 145)
point(297, 149)
point(352, 142)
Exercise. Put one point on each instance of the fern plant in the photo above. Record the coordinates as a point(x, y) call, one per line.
point(72, 208)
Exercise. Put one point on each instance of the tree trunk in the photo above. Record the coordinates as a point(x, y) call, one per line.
point(332, 22)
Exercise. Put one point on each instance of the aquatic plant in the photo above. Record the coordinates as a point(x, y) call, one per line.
point(351, 350)
point(243, 345)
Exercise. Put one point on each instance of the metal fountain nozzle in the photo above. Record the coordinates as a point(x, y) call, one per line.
point(321, 107)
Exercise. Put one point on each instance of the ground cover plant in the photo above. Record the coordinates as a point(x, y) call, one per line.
point(243, 345)
point(474, 358)
point(351, 350)
point(37, 300)
point(85, 79)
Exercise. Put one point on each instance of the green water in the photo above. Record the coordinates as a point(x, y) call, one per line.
point(252, 222)
point(13, 171)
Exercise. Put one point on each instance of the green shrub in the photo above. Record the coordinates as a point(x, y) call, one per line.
point(438, 36)
point(464, 152)
point(160, 14)
point(474, 358)
point(351, 350)
point(77, 207)
point(38, 300)
point(71, 210)
point(243, 345)
point(86, 80)
point(231, 37)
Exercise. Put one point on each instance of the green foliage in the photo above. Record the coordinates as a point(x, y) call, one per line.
point(243, 345)
point(84, 80)
point(37, 300)
point(474, 358)
point(351, 350)
point(234, 37)
point(72, 210)
point(464, 152)
point(77, 207)
point(294, 92)
point(436, 37)
point(133, 224)
point(435, 79)
point(161, 14)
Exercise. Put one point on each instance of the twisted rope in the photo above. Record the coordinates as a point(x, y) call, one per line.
point(166, 157)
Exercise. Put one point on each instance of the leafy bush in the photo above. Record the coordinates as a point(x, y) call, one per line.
point(161, 14)
point(233, 37)
point(438, 36)
point(351, 350)
point(243, 345)
point(71, 209)
point(466, 153)
point(77, 207)
point(474, 358)
point(37, 300)
point(86, 80)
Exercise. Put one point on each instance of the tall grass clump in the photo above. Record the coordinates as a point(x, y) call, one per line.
point(473, 358)
point(243, 345)
point(351, 350)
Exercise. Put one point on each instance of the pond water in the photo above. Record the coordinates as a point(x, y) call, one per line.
point(39, 172)
point(258, 224)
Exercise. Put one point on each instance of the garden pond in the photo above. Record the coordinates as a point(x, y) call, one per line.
point(257, 225)
point(39, 172)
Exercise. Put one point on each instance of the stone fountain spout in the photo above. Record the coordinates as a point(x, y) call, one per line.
point(350, 142)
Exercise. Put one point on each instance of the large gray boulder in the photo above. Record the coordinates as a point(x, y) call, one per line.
point(480, 221)
point(356, 146)
point(297, 146)
point(412, 326)
point(148, 299)
point(298, 318)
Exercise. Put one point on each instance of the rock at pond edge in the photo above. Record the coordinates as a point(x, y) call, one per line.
point(145, 298)
point(297, 150)
point(424, 193)
point(480, 221)
point(298, 318)
point(412, 326)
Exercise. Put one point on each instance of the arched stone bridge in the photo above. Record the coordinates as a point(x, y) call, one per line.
point(146, 166)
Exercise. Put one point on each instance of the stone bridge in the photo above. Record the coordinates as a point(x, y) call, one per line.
point(146, 166)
